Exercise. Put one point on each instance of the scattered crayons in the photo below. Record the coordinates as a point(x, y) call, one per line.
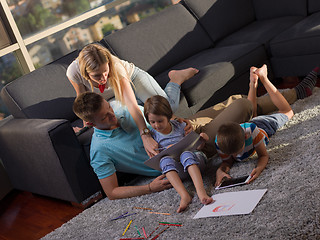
point(130, 238)
point(144, 232)
point(171, 223)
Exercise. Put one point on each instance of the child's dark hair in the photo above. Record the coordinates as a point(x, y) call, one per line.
point(230, 137)
point(157, 105)
point(86, 105)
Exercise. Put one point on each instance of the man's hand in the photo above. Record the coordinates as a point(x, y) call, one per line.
point(149, 145)
point(221, 175)
point(160, 184)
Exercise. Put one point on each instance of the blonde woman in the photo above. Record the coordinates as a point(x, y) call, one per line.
point(97, 70)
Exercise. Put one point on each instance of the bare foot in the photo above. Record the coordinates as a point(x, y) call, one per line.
point(253, 77)
point(205, 199)
point(184, 203)
point(262, 72)
point(180, 76)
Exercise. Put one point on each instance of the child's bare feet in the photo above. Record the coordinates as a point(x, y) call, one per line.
point(205, 199)
point(262, 72)
point(253, 77)
point(180, 76)
point(184, 202)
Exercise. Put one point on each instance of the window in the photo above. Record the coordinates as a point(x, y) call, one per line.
point(37, 32)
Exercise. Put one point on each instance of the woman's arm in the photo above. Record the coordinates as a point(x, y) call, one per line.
point(130, 101)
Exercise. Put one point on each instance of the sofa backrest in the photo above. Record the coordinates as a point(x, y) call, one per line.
point(313, 6)
point(45, 93)
point(160, 41)
point(222, 17)
point(266, 9)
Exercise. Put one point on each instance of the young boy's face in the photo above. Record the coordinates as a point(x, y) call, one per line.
point(159, 123)
point(105, 119)
point(238, 152)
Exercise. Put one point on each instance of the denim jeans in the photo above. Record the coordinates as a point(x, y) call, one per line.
point(146, 86)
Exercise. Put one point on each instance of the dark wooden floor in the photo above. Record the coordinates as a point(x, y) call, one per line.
point(27, 216)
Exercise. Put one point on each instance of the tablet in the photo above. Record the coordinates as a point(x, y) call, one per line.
point(234, 182)
point(189, 143)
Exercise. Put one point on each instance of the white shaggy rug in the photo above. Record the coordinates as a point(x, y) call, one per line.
point(290, 209)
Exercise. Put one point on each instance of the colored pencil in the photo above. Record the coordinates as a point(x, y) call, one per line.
point(167, 224)
point(159, 233)
point(123, 216)
point(153, 232)
point(130, 238)
point(144, 232)
point(127, 228)
point(119, 216)
point(143, 208)
point(160, 213)
point(138, 230)
point(171, 223)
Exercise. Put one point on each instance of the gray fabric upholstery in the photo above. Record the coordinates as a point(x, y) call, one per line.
point(217, 66)
point(222, 17)
point(44, 93)
point(163, 40)
point(261, 31)
point(294, 65)
point(301, 39)
point(36, 166)
point(279, 8)
point(313, 6)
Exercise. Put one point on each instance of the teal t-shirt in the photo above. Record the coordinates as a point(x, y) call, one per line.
point(120, 149)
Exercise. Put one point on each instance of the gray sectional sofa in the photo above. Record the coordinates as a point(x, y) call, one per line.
point(222, 38)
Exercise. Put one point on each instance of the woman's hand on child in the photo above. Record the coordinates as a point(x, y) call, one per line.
point(149, 145)
point(160, 184)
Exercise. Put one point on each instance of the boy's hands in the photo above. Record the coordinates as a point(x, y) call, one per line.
point(221, 175)
point(160, 184)
point(255, 173)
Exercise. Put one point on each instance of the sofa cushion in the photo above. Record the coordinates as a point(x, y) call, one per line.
point(160, 41)
point(217, 66)
point(301, 39)
point(222, 17)
point(45, 93)
point(313, 6)
point(261, 31)
point(279, 8)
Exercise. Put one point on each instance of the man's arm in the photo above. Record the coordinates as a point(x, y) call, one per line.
point(263, 158)
point(223, 170)
point(113, 191)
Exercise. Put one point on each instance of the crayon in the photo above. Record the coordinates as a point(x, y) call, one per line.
point(160, 213)
point(127, 228)
point(159, 233)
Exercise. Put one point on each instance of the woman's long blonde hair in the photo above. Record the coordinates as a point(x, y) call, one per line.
point(91, 58)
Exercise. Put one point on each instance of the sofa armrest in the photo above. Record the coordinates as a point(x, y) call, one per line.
point(45, 157)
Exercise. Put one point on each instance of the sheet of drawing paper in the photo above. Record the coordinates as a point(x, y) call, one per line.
point(232, 203)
